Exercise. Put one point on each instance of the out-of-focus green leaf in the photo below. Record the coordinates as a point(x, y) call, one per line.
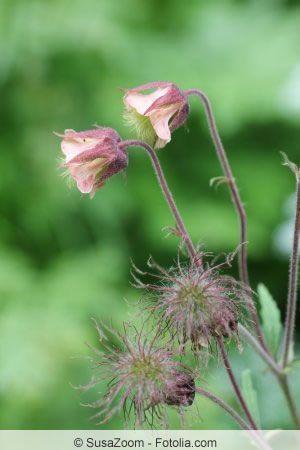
point(250, 395)
point(271, 320)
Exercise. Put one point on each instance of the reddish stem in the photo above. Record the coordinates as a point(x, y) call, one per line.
point(168, 196)
point(235, 383)
point(236, 199)
point(292, 291)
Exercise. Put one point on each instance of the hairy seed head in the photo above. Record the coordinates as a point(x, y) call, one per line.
point(196, 304)
point(141, 377)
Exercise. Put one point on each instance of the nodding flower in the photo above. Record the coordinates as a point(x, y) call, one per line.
point(155, 115)
point(92, 156)
point(196, 304)
point(141, 377)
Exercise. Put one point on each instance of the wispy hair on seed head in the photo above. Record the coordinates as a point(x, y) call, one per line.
point(141, 377)
point(195, 304)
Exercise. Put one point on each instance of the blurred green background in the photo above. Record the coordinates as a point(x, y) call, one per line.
point(64, 258)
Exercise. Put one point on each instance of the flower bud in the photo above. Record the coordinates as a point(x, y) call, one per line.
point(92, 157)
point(155, 115)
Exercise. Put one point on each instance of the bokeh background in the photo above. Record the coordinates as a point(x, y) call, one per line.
point(66, 259)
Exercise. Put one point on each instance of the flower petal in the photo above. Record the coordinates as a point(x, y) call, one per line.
point(160, 121)
point(141, 102)
point(173, 96)
point(152, 85)
point(102, 150)
point(72, 147)
point(85, 174)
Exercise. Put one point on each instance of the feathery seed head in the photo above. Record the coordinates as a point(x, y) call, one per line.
point(141, 378)
point(196, 305)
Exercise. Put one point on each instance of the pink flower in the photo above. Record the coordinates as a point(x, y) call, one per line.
point(92, 156)
point(157, 114)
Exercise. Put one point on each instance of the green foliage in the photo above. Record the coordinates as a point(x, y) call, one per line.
point(270, 314)
point(64, 258)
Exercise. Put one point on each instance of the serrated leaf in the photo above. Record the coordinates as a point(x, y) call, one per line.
point(250, 395)
point(271, 320)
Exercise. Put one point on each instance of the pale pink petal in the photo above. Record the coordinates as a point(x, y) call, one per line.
point(72, 147)
point(141, 102)
point(160, 121)
point(152, 85)
point(85, 174)
point(85, 185)
point(173, 96)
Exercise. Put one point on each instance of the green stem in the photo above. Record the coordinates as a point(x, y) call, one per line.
point(260, 350)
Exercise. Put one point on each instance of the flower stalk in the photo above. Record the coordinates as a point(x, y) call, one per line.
point(276, 369)
point(293, 281)
point(236, 417)
point(235, 384)
point(243, 268)
point(218, 401)
point(168, 196)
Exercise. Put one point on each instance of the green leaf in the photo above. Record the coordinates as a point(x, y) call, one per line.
point(250, 395)
point(270, 315)
point(296, 362)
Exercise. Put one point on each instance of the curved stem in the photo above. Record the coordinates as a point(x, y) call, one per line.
point(236, 199)
point(292, 291)
point(238, 419)
point(260, 350)
point(235, 384)
point(168, 196)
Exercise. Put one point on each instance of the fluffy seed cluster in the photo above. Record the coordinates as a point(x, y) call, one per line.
point(196, 304)
point(141, 378)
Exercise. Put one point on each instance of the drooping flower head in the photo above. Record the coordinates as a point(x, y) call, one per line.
point(141, 377)
point(155, 115)
point(93, 156)
point(196, 304)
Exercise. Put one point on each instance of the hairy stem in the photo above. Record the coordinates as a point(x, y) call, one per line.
point(236, 417)
point(236, 199)
point(292, 291)
point(168, 196)
point(235, 384)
